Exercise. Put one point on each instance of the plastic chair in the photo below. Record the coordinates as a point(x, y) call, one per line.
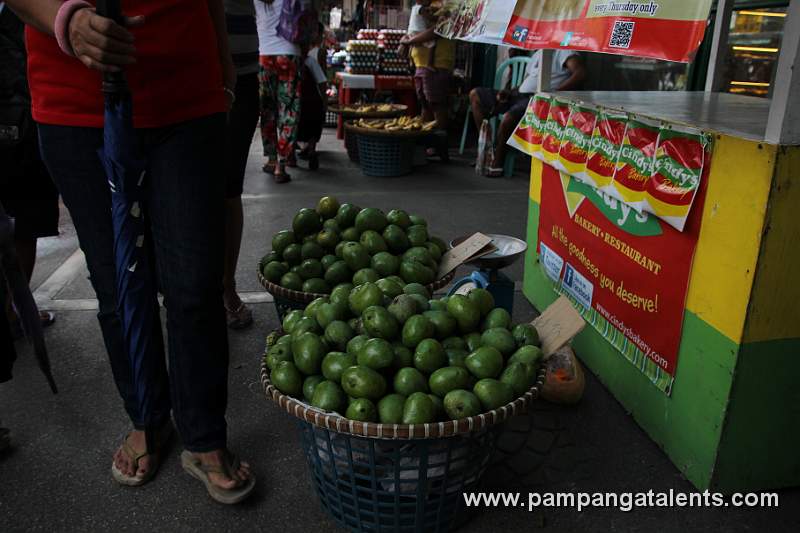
point(518, 66)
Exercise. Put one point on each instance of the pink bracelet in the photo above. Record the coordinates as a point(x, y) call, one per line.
point(61, 25)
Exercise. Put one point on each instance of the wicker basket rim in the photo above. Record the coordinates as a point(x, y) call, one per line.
point(307, 297)
point(349, 126)
point(399, 109)
point(433, 430)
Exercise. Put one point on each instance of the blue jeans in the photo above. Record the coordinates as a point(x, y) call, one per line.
point(185, 209)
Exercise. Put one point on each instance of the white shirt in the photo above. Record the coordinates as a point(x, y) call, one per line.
point(269, 42)
point(416, 22)
point(559, 74)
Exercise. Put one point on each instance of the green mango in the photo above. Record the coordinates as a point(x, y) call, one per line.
point(419, 409)
point(362, 410)
point(380, 323)
point(370, 218)
point(390, 408)
point(485, 362)
point(281, 240)
point(461, 403)
point(429, 356)
point(363, 382)
point(346, 215)
point(355, 256)
point(492, 393)
point(376, 354)
point(329, 396)
point(335, 363)
point(409, 380)
point(364, 296)
point(415, 330)
point(448, 378)
point(306, 222)
point(373, 242)
point(287, 379)
point(307, 352)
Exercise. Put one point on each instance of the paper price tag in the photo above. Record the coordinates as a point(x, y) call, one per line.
point(559, 323)
point(475, 246)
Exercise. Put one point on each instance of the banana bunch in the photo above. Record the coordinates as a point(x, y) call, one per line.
point(404, 123)
point(370, 108)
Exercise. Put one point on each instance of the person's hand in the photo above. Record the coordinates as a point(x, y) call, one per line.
point(100, 43)
point(404, 39)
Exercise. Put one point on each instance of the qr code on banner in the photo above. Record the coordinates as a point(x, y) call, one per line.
point(622, 34)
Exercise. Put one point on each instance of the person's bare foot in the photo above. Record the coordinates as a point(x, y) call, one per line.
point(221, 480)
point(125, 464)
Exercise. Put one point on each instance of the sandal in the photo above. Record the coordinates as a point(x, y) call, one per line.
point(239, 318)
point(195, 468)
point(494, 172)
point(283, 177)
point(162, 438)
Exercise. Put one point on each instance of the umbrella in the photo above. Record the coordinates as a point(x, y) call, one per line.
point(22, 297)
point(137, 305)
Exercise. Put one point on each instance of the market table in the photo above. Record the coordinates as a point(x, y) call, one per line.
point(351, 85)
point(727, 413)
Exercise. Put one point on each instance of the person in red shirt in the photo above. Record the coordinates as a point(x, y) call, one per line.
point(176, 59)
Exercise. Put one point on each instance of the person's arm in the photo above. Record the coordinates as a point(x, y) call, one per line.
point(419, 38)
point(577, 73)
point(41, 14)
point(217, 11)
point(98, 42)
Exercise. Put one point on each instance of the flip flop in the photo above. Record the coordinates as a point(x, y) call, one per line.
point(494, 172)
point(195, 468)
point(163, 436)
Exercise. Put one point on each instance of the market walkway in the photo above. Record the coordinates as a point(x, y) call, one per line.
point(57, 477)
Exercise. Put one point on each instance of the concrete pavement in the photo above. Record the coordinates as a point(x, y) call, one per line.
point(57, 476)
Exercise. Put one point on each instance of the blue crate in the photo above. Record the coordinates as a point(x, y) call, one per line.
point(385, 155)
point(369, 484)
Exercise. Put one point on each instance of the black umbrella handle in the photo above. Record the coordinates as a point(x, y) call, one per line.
point(113, 82)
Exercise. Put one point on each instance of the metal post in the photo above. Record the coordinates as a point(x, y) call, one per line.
point(783, 124)
point(545, 69)
point(719, 47)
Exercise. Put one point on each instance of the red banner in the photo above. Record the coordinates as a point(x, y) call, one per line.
point(646, 28)
point(628, 271)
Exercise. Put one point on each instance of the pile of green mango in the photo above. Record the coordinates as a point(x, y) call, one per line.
point(403, 358)
point(336, 244)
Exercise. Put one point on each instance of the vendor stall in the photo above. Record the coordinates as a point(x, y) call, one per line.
point(695, 326)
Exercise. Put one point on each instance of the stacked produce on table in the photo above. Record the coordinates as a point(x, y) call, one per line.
point(391, 62)
point(368, 34)
point(362, 56)
point(379, 348)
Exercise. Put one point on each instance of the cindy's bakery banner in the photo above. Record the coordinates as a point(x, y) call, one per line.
point(659, 29)
point(627, 273)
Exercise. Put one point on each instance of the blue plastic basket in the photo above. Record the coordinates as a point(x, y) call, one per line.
point(383, 155)
point(351, 145)
point(396, 477)
point(368, 484)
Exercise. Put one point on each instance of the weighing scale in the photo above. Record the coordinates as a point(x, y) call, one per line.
point(488, 276)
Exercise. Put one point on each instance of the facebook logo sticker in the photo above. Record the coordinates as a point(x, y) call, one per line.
point(578, 286)
point(520, 34)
